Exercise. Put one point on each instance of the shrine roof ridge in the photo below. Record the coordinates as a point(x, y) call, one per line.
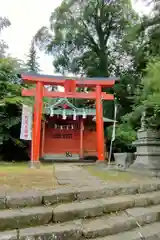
point(29, 75)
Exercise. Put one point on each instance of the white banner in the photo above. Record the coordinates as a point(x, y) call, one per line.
point(26, 123)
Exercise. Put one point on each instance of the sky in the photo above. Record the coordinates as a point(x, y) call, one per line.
point(27, 16)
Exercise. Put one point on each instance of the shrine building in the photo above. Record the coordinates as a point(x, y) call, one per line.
point(69, 133)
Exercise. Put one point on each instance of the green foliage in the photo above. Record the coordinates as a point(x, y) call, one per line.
point(143, 38)
point(125, 136)
point(10, 98)
point(4, 23)
point(32, 59)
point(150, 98)
point(87, 34)
point(151, 93)
point(151, 81)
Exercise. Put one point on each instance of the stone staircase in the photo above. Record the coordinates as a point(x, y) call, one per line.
point(110, 212)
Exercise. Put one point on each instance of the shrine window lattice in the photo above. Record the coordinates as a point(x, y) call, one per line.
point(64, 126)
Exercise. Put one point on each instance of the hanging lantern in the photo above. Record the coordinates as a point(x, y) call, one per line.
point(72, 126)
point(84, 114)
point(55, 126)
point(61, 127)
point(51, 112)
point(64, 115)
point(74, 116)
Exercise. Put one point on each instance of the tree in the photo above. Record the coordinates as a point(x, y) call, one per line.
point(87, 34)
point(148, 99)
point(142, 41)
point(125, 136)
point(152, 19)
point(10, 106)
point(4, 23)
point(32, 59)
point(149, 28)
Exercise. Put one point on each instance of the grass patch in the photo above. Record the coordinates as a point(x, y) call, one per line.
point(114, 176)
point(19, 177)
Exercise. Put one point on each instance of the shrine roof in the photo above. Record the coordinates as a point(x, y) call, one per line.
point(63, 101)
point(53, 109)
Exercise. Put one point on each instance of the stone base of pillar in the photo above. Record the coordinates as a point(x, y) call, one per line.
point(34, 164)
point(144, 172)
point(146, 162)
point(101, 164)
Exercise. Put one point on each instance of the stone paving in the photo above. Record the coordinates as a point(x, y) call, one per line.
point(75, 175)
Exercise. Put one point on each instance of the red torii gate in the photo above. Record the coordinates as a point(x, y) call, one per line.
point(70, 85)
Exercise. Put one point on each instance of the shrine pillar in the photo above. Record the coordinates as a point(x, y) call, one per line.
point(36, 129)
point(81, 138)
point(42, 138)
point(99, 124)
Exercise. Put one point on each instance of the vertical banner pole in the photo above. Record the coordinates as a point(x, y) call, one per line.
point(113, 134)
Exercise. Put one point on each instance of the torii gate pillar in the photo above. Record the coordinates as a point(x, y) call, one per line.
point(36, 129)
point(99, 125)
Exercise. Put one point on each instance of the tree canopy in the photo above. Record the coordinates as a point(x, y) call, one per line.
point(32, 58)
point(4, 23)
point(85, 34)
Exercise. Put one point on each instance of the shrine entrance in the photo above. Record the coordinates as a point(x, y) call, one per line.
point(70, 85)
point(62, 139)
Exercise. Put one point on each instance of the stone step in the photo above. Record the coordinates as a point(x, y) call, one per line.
point(98, 207)
point(26, 217)
point(104, 226)
point(19, 218)
point(123, 221)
point(148, 232)
point(34, 198)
